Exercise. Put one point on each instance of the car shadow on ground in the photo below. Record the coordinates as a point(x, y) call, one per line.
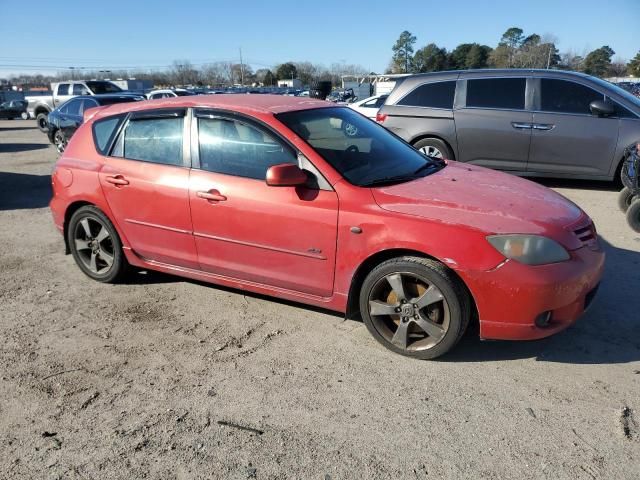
point(20, 191)
point(6, 129)
point(21, 147)
point(582, 184)
point(608, 333)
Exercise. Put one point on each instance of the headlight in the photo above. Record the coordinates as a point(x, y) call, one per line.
point(529, 249)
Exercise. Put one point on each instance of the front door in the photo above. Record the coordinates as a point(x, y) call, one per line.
point(146, 183)
point(493, 127)
point(567, 138)
point(284, 237)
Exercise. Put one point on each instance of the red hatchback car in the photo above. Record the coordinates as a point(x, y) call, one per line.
point(270, 194)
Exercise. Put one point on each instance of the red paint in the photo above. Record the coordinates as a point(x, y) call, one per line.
point(296, 243)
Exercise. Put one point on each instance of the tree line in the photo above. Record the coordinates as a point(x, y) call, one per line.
point(514, 50)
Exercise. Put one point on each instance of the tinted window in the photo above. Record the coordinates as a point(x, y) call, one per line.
point(433, 95)
point(235, 148)
point(73, 107)
point(566, 97)
point(79, 89)
point(157, 140)
point(87, 104)
point(103, 87)
point(496, 93)
point(113, 100)
point(103, 132)
point(63, 89)
point(362, 151)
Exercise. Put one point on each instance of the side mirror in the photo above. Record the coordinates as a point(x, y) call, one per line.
point(285, 175)
point(601, 108)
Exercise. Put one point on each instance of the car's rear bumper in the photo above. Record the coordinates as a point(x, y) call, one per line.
point(510, 297)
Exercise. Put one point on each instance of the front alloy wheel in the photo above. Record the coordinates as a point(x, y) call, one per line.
point(414, 306)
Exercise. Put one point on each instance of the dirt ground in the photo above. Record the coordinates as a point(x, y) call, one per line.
point(169, 378)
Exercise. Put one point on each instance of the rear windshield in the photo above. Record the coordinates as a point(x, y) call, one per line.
point(98, 87)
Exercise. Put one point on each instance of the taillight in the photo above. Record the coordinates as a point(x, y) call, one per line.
point(381, 117)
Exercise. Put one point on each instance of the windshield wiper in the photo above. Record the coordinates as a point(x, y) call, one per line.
point(433, 164)
point(394, 179)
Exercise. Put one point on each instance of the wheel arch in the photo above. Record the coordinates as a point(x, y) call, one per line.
point(41, 109)
point(68, 213)
point(376, 259)
point(437, 137)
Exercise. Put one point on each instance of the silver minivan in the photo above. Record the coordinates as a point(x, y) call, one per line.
point(530, 122)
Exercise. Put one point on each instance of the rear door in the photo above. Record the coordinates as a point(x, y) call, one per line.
point(145, 179)
point(284, 237)
point(493, 122)
point(567, 138)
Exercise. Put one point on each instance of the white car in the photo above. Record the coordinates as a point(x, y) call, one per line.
point(168, 93)
point(369, 106)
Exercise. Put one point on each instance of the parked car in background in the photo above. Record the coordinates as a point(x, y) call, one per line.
point(168, 93)
point(41, 105)
point(268, 194)
point(13, 109)
point(65, 120)
point(631, 87)
point(529, 122)
point(369, 106)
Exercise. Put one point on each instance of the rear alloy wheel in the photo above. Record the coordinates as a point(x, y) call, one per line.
point(414, 306)
point(633, 215)
point(95, 245)
point(433, 147)
point(60, 141)
point(625, 198)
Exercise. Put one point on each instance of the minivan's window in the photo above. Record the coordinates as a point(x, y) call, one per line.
point(566, 97)
point(236, 148)
point(63, 89)
point(505, 93)
point(157, 140)
point(98, 86)
point(433, 95)
point(363, 152)
point(103, 131)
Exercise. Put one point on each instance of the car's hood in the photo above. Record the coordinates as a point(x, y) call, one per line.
point(482, 199)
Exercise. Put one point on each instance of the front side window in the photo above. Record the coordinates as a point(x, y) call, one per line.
point(73, 107)
point(566, 97)
point(362, 151)
point(431, 95)
point(236, 148)
point(157, 140)
point(63, 89)
point(79, 89)
point(504, 93)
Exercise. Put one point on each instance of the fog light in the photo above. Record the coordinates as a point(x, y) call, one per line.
point(543, 319)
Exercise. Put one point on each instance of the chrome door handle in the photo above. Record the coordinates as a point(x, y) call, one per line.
point(521, 126)
point(543, 126)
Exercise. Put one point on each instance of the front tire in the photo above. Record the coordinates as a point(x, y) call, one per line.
point(433, 147)
point(59, 140)
point(42, 122)
point(633, 215)
point(415, 307)
point(95, 245)
point(625, 198)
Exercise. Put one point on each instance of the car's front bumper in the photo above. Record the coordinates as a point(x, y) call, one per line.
point(511, 296)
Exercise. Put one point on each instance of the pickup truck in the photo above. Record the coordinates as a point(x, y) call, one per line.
point(40, 106)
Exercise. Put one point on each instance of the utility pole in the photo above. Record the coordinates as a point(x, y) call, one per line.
point(241, 69)
point(549, 56)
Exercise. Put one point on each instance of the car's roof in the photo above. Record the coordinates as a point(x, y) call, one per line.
point(243, 103)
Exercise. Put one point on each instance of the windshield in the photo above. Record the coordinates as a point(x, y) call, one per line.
point(362, 151)
point(103, 87)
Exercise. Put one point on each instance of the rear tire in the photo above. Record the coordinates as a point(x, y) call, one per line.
point(633, 215)
point(433, 147)
point(625, 199)
point(42, 122)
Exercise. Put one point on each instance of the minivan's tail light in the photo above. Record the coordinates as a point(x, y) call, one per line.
point(381, 117)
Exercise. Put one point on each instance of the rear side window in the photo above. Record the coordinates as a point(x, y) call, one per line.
point(432, 95)
point(566, 97)
point(507, 93)
point(236, 148)
point(157, 140)
point(63, 89)
point(103, 132)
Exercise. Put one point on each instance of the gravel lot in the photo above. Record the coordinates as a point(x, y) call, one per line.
point(169, 378)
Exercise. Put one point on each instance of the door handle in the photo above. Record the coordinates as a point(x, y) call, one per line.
point(211, 196)
point(543, 126)
point(117, 180)
point(522, 126)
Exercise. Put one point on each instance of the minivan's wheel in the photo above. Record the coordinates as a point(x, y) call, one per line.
point(60, 141)
point(414, 306)
point(95, 245)
point(633, 215)
point(42, 122)
point(433, 147)
point(625, 197)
